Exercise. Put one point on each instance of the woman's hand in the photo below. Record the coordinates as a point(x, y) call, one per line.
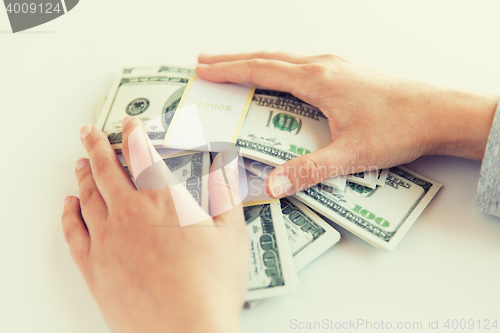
point(146, 273)
point(377, 121)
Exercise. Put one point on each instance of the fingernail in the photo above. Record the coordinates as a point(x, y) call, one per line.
point(279, 186)
point(203, 55)
point(67, 200)
point(85, 131)
point(126, 120)
point(81, 163)
point(201, 66)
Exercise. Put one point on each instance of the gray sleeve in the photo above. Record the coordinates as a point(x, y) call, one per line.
point(488, 190)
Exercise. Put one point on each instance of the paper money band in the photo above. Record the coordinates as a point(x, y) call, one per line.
point(260, 202)
point(208, 112)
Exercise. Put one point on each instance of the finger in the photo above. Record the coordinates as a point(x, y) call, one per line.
point(92, 205)
point(272, 74)
point(109, 175)
point(305, 171)
point(189, 212)
point(188, 209)
point(224, 189)
point(281, 56)
point(150, 172)
point(75, 232)
point(142, 159)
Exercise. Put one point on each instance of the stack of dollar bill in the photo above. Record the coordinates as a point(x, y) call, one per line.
point(378, 206)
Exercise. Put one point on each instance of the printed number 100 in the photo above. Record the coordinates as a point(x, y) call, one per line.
point(220, 107)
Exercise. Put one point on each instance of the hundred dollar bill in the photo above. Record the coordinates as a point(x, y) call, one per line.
point(155, 96)
point(191, 170)
point(309, 235)
point(262, 170)
point(163, 152)
point(151, 93)
point(272, 271)
point(185, 71)
point(382, 176)
point(379, 216)
point(150, 97)
point(368, 178)
point(98, 106)
point(137, 69)
point(279, 127)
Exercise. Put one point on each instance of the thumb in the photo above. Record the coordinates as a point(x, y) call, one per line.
point(305, 171)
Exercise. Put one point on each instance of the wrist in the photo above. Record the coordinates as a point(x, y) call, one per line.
point(207, 321)
point(459, 122)
point(199, 314)
point(202, 324)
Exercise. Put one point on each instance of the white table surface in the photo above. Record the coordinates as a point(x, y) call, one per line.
point(447, 266)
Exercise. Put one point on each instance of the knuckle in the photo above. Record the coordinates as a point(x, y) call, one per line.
point(315, 69)
point(100, 164)
point(156, 197)
point(279, 55)
point(92, 141)
point(129, 209)
point(131, 129)
point(125, 216)
point(269, 55)
point(255, 64)
point(318, 75)
point(88, 195)
point(310, 170)
point(332, 59)
point(261, 54)
point(315, 170)
point(313, 92)
point(328, 56)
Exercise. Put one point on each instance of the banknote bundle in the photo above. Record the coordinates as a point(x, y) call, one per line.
point(276, 126)
point(271, 127)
